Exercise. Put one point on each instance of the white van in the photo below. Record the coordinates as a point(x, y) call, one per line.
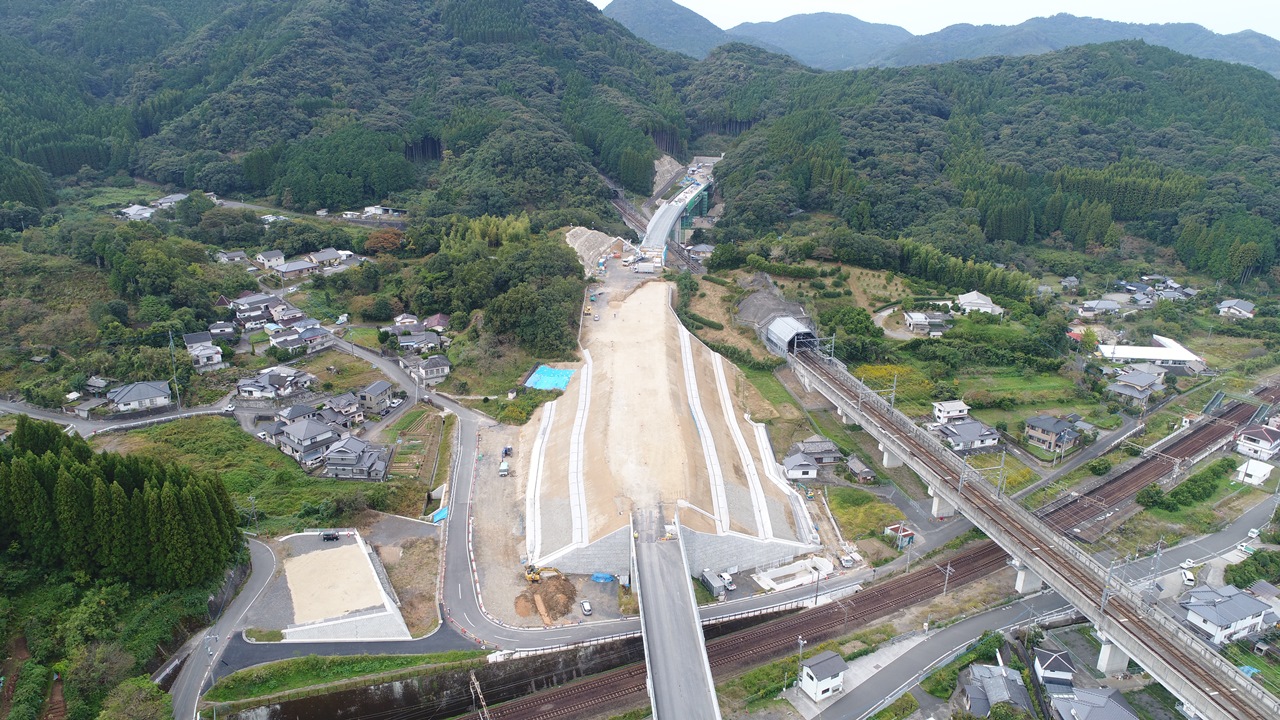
point(1188, 578)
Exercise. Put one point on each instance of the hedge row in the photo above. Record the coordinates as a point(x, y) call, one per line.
point(705, 321)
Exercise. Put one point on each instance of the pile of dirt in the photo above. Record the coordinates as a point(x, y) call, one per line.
point(555, 595)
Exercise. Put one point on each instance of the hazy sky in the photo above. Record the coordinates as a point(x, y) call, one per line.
point(925, 16)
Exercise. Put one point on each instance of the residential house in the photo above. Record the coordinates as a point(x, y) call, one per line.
point(296, 269)
point(380, 211)
point(949, 410)
point(169, 201)
point(231, 256)
point(307, 440)
point(1055, 671)
point(316, 339)
point(206, 356)
point(427, 371)
point(982, 686)
point(275, 382)
point(283, 312)
point(822, 675)
point(139, 396)
point(1052, 434)
point(976, 302)
point(222, 331)
point(1092, 704)
point(1236, 309)
point(1224, 614)
point(969, 436)
point(253, 307)
point(137, 213)
point(269, 259)
point(268, 219)
point(348, 406)
point(294, 413)
point(702, 251)
point(404, 319)
point(325, 257)
point(1253, 472)
point(799, 466)
point(1143, 299)
point(437, 322)
point(1136, 388)
point(1148, 368)
point(860, 470)
point(1093, 308)
point(376, 398)
point(425, 340)
point(1166, 352)
point(97, 385)
point(1132, 288)
point(932, 324)
point(1070, 284)
point(820, 449)
point(354, 459)
point(1258, 441)
point(84, 409)
point(197, 338)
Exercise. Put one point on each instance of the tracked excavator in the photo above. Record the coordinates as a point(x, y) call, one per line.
point(534, 574)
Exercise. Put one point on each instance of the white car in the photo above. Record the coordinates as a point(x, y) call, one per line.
point(230, 408)
point(1253, 533)
point(396, 402)
point(1187, 564)
point(727, 579)
point(586, 607)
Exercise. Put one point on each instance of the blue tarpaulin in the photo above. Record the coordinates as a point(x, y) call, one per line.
point(440, 514)
point(549, 378)
point(602, 577)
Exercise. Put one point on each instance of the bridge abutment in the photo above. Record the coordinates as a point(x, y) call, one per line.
point(1111, 659)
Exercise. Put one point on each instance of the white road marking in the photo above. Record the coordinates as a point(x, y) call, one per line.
point(459, 592)
point(468, 617)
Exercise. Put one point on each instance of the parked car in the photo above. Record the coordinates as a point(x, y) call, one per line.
point(330, 536)
point(586, 607)
point(1187, 564)
point(396, 402)
point(1253, 533)
point(846, 561)
point(727, 579)
point(230, 408)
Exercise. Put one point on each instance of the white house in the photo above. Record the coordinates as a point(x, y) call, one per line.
point(206, 357)
point(1236, 308)
point(139, 396)
point(269, 259)
point(1166, 351)
point(1253, 472)
point(977, 302)
point(822, 675)
point(949, 410)
point(136, 212)
point(1258, 441)
point(1054, 670)
point(799, 466)
point(1224, 613)
point(1091, 704)
point(932, 324)
point(969, 435)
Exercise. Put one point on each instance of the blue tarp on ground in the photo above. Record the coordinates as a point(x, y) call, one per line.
point(549, 378)
point(602, 577)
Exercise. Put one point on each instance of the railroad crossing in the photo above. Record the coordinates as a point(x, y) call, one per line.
point(1209, 686)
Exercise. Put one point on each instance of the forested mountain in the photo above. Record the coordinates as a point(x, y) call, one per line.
point(1042, 35)
point(830, 41)
point(1073, 149)
point(495, 106)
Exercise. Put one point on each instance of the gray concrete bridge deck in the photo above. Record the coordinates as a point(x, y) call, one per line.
point(675, 652)
point(1183, 663)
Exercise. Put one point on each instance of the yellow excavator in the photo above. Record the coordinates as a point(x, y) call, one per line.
point(534, 574)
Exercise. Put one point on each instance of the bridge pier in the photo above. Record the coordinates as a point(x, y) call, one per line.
point(1027, 580)
point(941, 508)
point(1111, 659)
point(888, 458)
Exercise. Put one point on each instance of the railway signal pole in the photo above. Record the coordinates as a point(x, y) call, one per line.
point(799, 657)
point(946, 576)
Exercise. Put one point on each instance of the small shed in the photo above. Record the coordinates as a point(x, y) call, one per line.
point(712, 583)
point(860, 470)
point(1253, 472)
point(822, 675)
point(800, 467)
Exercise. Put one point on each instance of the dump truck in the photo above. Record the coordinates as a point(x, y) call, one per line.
point(534, 574)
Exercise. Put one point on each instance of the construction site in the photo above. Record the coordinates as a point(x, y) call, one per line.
point(647, 419)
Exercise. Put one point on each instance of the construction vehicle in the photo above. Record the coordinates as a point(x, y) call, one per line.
point(586, 310)
point(805, 489)
point(534, 574)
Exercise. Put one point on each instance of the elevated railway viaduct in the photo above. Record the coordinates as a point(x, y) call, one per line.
point(1207, 684)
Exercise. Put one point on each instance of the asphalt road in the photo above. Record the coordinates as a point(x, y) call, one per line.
point(88, 427)
point(680, 681)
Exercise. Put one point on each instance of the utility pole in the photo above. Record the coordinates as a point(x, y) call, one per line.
point(799, 657)
point(477, 694)
point(946, 576)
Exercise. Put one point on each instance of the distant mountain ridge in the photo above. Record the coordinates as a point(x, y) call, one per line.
point(832, 41)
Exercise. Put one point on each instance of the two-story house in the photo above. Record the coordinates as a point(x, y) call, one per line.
point(1258, 441)
point(307, 440)
point(1136, 388)
point(1052, 434)
point(949, 410)
point(376, 398)
point(822, 675)
point(354, 459)
point(139, 396)
point(1224, 613)
point(269, 259)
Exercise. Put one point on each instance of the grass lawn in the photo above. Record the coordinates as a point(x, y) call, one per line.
point(770, 387)
point(350, 373)
point(257, 336)
point(362, 336)
point(286, 498)
point(314, 670)
point(1017, 474)
point(320, 304)
point(487, 366)
point(1270, 669)
point(860, 514)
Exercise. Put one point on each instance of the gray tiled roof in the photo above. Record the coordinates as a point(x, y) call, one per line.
point(825, 665)
point(377, 387)
point(135, 392)
point(1225, 605)
point(790, 462)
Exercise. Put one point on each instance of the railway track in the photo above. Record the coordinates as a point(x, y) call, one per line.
point(760, 644)
point(1127, 617)
point(1096, 506)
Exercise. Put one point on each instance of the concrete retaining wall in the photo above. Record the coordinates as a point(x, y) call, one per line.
point(704, 550)
point(610, 554)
